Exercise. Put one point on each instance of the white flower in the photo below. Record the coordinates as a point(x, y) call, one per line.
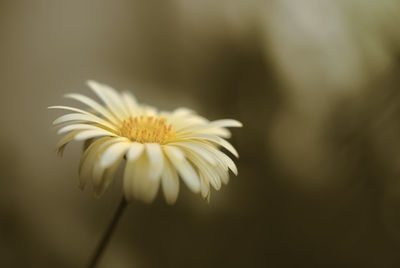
point(158, 146)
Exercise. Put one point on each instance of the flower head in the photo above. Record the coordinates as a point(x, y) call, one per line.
point(158, 146)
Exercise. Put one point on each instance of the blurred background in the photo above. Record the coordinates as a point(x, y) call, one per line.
point(316, 84)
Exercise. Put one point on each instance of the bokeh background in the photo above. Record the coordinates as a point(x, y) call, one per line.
point(315, 82)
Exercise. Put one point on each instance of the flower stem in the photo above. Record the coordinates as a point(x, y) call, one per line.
point(107, 235)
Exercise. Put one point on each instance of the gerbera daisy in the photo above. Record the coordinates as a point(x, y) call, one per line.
point(158, 146)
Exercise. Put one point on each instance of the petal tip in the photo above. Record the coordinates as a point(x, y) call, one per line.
point(92, 83)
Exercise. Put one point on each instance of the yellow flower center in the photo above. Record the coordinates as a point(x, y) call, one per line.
point(147, 129)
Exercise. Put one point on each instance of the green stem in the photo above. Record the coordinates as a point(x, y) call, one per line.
point(108, 233)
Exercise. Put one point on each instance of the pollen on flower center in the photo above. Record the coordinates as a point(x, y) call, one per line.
point(147, 129)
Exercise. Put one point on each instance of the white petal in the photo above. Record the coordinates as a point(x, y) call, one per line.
point(225, 123)
point(87, 134)
point(77, 127)
point(217, 128)
point(223, 174)
point(109, 97)
point(182, 112)
point(149, 189)
point(118, 101)
point(209, 172)
point(216, 140)
point(107, 177)
point(65, 140)
point(204, 187)
point(97, 175)
point(170, 182)
point(134, 151)
point(72, 117)
point(154, 152)
point(198, 150)
point(185, 169)
point(113, 153)
point(130, 102)
point(73, 109)
point(98, 170)
point(229, 162)
point(82, 112)
point(222, 158)
point(156, 160)
point(149, 110)
point(137, 182)
point(174, 151)
point(83, 117)
point(222, 132)
point(227, 146)
point(182, 124)
point(87, 161)
point(94, 105)
point(213, 178)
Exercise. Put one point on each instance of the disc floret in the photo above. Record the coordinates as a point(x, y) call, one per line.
point(147, 129)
